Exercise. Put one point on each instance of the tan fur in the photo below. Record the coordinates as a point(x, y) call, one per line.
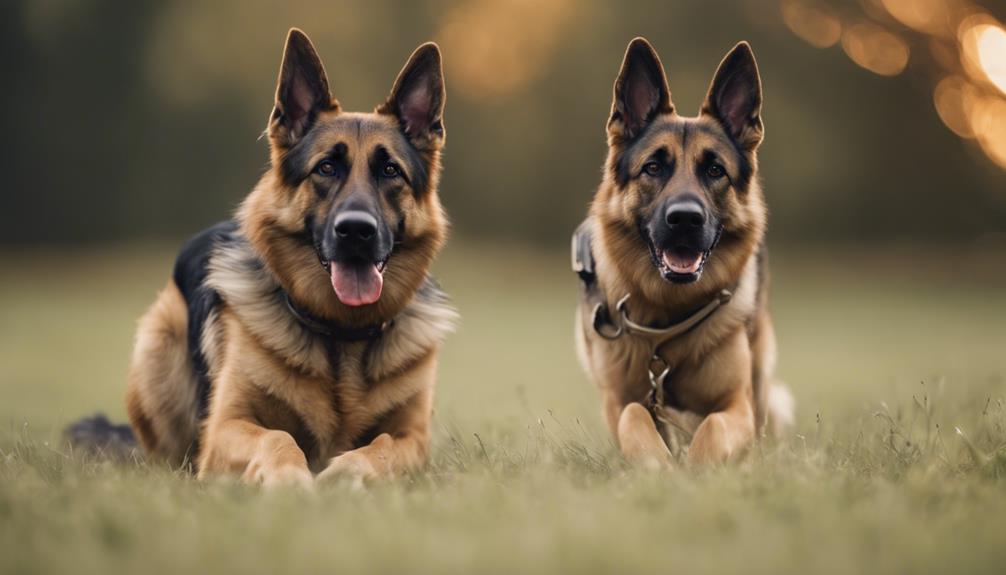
point(723, 369)
point(160, 397)
point(285, 402)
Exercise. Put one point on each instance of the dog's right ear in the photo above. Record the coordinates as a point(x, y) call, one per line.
point(301, 92)
point(641, 91)
point(418, 96)
point(735, 97)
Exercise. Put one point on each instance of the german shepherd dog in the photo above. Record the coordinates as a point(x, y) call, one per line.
point(302, 337)
point(672, 323)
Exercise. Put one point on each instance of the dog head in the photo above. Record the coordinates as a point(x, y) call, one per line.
point(679, 190)
point(353, 193)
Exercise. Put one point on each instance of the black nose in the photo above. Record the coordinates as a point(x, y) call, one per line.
point(688, 214)
point(356, 226)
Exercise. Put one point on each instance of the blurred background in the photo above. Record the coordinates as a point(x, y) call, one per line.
point(131, 125)
point(885, 119)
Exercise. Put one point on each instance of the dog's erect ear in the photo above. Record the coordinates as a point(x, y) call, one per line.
point(301, 92)
point(418, 96)
point(735, 97)
point(640, 91)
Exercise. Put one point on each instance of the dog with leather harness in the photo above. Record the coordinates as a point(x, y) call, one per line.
point(673, 324)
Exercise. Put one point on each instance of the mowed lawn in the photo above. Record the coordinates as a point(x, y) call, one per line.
point(888, 356)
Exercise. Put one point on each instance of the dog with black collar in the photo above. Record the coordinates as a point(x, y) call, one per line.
point(299, 341)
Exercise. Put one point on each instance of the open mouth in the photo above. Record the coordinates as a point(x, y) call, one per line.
point(358, 282)
point(681, 264)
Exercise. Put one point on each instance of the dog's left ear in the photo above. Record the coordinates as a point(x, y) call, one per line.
point(301, 91)
point(735, 97)
point(641, 91)
point(418, 96)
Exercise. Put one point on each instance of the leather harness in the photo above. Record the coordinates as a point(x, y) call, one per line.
point(614, 326)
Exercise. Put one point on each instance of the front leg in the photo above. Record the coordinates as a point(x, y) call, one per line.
point(402, 446)
point(723, 434)
point(729, 430)
point(261, 456)
point(631, 424)
point(235, 443)
point(639, 440)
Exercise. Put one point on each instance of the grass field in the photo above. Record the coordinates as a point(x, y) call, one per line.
point(887, 356)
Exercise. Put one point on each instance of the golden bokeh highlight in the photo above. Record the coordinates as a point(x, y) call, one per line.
point(990, 45)
point(816, 25)
point(954, 98)
point(875, 48)
point(969, 34)
point(971, 102)
point(498, 47)
point(988, 122)
point(966, 46)
point(928, 16)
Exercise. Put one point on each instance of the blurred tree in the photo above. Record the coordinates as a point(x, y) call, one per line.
point(72, 97)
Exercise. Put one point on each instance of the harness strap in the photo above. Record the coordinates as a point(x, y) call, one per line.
point(584, 266)
point(659, 369)
point(609, 328)
point(582, 253)
point(674, 330)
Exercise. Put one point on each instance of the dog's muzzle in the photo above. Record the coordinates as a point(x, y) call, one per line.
point(681, 237)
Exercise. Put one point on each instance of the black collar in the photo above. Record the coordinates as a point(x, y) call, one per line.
point(333, 330)
point(326, 328)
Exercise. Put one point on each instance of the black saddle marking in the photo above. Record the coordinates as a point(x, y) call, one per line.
point(191, 270)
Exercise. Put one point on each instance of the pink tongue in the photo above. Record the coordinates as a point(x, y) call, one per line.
point(356, 283)
point(683, 263)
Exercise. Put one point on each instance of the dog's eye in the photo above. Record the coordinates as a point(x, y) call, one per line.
point(326, 168)
point(715, 171)
point(653, 168)
point(390, 170)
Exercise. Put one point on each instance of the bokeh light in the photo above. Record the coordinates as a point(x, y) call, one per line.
point(966, 47)
point(499, 47)
point(988, 122)
point(954, 98)
point(929, 16)
point(816, 25)
point(984, 50)
point(873, 47)
point(990, 45)
point(969, 34)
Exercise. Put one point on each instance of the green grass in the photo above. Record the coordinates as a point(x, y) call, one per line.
point(884, 363)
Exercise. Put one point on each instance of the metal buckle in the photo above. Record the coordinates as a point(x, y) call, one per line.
point(657, 380)
point(600, 323)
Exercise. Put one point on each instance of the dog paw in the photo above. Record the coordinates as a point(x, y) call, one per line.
point(352, 465)
point(279, 477)
point(713, 443)
point(639, 440)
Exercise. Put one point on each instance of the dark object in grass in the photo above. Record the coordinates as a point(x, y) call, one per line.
point(99, 436)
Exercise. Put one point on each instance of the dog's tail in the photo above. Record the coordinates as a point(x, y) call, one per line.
point(97, 435)
point(781, 407)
